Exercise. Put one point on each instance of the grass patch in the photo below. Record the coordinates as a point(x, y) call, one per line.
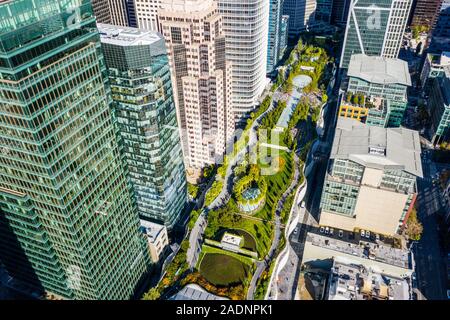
point(277, 184)
point(222, 269)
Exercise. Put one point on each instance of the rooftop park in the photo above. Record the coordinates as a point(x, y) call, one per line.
point(256, 185)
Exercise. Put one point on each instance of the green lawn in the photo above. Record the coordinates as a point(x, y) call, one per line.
point(277, 183)
point(223, 269)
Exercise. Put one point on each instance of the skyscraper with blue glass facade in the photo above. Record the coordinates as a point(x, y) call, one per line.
point(274, 49)
point(68, 223)
point(139, 75)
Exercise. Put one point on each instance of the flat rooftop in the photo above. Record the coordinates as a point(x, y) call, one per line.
point(366, 250)
point(194, 292)
point(126, 36)
point(379, 70)
point(377, 147)
point(231, 239)
point(353, 281)
point(151, 229)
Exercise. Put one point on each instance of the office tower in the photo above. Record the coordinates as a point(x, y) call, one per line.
point(434, 66)
point(143, 104)
point(301, 15)
point(383, 84)
point(66, 207)
point(202, 79)
point(339, 12)
point(323, 10)
point(425, 13)
point(375, 28)
point(440, 40)
point(101, 11)
point(245, 26)
point(439, 106)
point(274, 49)
point(284, 37)
point(111, 11)
point(147, 14)
point(131, 13)
point(371, 178)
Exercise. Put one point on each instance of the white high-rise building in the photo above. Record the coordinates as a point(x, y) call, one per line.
point(147, 13)
point(246, 27)
point(201, 76)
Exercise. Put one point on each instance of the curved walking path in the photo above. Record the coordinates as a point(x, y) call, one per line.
point(196, 236)
point(262, 265)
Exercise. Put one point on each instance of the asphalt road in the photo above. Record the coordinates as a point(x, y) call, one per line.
point(430, 260)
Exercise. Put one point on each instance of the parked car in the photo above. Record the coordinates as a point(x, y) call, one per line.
point(377, 237)
point(322, 229)
point(331, 231)
point(368, 234)
point(296, 230)
point(363, 233)
point(302, 205)
point(327, 230)
point(341, 233)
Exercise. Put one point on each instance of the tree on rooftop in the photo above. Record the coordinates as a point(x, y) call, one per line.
point(414, 228)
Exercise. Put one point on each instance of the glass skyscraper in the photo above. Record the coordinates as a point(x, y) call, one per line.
point(145, 111)
point(274, 49)
point(375, 28)
point(301, 15)
point(68, 223)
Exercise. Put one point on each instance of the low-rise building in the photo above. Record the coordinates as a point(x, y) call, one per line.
point(350, 280)
point(386, 78)
point(371, 179)
point(157, 238)
point(231, 242)
point(320, 251)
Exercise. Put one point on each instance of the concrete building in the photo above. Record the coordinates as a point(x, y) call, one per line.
point(371, 178)
point(321, 251)
point(352, 281)
point(375, 28)
point(140, 80)
point(147, 14)
point(245, 26)
point(112, 11)
point(231, 242)
point(157, 239)
point(301, 15)
point(439, 107)
point(425, 13)
point(202, 78)
point(385, 78)
point(274, 49)
point(68, 222)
